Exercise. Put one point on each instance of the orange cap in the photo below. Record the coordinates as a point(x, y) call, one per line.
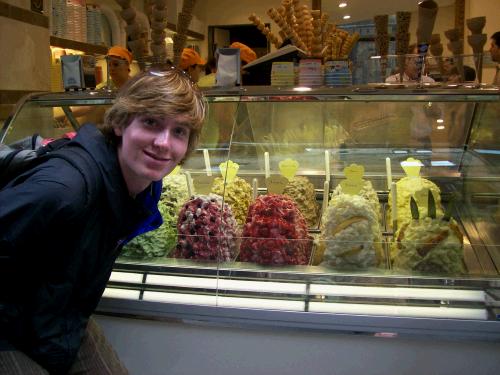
point(120, 52)
point(246, 53)
point(190, 57)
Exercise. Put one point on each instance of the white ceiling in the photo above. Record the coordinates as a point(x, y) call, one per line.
point(366, 9)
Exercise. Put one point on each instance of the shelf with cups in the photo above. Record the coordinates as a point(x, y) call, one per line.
point(81, 46)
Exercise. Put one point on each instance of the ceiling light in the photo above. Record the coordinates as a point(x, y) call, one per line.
point(440, 120)
point(440, 127)
point(346, 17)
point(301, 89)
point(342, 5)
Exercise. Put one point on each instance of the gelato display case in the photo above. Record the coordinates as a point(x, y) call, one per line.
point(357, 209)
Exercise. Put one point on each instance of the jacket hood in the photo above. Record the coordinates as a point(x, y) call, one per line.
point(108, 168)
point(117, 196)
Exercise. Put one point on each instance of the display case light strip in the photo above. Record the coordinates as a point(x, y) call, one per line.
point(226, 284)
point(485, 151)
point(400, 311)
point(121, 293)
point(261, 303)
point(262, 286)
point(409, 293)
point(190, 299)
point(180, 281)
point(126, 277)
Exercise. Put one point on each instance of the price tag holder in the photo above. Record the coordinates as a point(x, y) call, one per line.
point(288, 168)
point(412, 167)
point(276, 184)
point(229, 170)
point(353, 182)
point(203, 184)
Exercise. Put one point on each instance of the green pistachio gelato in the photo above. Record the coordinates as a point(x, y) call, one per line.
point(161, 241)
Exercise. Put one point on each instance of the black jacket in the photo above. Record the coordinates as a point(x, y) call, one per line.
point(62, 226)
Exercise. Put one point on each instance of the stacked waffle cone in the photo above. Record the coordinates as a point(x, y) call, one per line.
point(183, 20)
point(455, 44)
point(265, 30)
point(427, 11)
point(305, 25)
point(402, 32)
point(477, 40)
point(133, 30)
point(287, 29)
point(158, 26)
point(382, 34)
point(316, 45)
point(307, 29)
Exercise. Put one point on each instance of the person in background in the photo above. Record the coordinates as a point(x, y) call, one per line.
point(208, 80)
point(411, 73)
point(247, 55)
point(192, 63)
point(495, 55)
point(119, 60)
point(63, 224)
point(455, 76)
point(422, 116)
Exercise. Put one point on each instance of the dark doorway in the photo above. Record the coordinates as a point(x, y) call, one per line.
point(223, 35)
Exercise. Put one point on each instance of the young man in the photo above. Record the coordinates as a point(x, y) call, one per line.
point(495, 55)
point(64, 222)
point(411, 73)
point(192, 63)
point(119, 60)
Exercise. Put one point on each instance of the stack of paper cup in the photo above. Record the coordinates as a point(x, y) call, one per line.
point(310, 72)
point(337, 73)
point(282, 74)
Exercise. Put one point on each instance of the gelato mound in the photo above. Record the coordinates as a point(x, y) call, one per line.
point(161, 241)
point(350, 234)
point(275, 233)
point(207, 230)
point(301, 190)
point(429, 245)
point(406, 188)
point(237, 194)
point(367, 192)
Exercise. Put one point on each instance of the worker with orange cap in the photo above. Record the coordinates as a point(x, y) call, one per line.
point(119, 60)
point(192, 63)
point(247, 55)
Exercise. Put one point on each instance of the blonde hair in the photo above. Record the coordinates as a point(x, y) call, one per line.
point(159, 94)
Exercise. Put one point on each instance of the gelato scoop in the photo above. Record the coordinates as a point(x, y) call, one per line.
point(406, 188)
point(207, 230)
point(301, 190)
point(275, 233)
point(237, 194)
point(366, 192)
point(429, 245)
point(350, 234)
